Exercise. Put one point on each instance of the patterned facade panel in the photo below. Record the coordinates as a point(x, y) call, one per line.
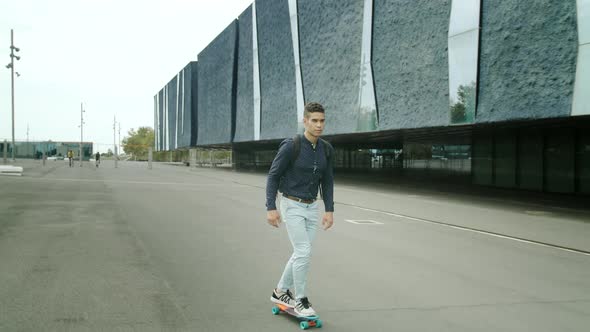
point(156, 111)
point(216, 88)
point(527, 60)
point(410, 62)
point(185, 107)
point(277, 70)
point(194, 79)
point(533, 62)
point(161, 120)
point(166, 128)
point(172, 112)
point(245, 93)
point(185, 132)
point(330, 35)
point(179, 109)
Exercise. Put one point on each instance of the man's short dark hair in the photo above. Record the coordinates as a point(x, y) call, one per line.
point(313, 107)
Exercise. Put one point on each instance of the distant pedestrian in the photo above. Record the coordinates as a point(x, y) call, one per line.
point(70, 157)
point(301, 165)
point(97, 159)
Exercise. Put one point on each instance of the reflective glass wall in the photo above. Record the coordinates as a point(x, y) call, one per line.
point(438, 157)
point(583, 162)
point(35, 150)
point(552, 159)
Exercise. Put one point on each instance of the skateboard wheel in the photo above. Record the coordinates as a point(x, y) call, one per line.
point(304, 325)
point(318, 323)
point(275, 310)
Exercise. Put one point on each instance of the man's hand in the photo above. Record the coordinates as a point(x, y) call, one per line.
point(328, 220)
point(273, 218)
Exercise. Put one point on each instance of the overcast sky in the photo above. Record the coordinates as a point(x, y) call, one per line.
point(112, 55)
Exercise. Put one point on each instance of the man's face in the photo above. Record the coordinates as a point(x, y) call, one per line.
point(314, 123)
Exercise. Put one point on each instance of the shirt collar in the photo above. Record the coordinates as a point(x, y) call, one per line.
point(309, 142)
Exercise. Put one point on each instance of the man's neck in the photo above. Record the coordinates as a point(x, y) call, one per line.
point(311, 138)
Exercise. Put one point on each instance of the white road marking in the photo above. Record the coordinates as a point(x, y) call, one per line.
point(364, 222)
point(467, 229)
point(538, 213)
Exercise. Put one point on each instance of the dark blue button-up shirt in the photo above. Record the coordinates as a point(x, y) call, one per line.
point(303, 178)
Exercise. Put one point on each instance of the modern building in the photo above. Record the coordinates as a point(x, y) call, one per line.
point(35, 150)
point(175, 116)
point(494, 92)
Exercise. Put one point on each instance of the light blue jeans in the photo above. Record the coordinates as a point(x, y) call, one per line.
point(301, 221)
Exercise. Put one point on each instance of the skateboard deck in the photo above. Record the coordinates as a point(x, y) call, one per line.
point(305, 322)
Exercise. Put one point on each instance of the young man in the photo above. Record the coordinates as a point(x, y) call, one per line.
point(97, 159)
point(298, 181)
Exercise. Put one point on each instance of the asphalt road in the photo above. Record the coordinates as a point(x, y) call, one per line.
point(179, 249)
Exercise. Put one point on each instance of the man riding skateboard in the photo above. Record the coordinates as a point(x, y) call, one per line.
point(302, 165)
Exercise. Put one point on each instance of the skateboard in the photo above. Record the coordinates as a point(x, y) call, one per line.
point(304, 322)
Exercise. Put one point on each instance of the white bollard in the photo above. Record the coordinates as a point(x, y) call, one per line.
point(193, 158)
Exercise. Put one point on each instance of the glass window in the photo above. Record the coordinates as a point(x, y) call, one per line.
point(464, 16)
point(367, 120)
point(437, 158)
point(559, 161)
point(256, 74)
point(505, 159)
point(530, 160)
point(581, 102)
point(463, 59)
point(298, 80)
point(462, 76)
point(583, 10)
point(583, 162)
point(482, 159)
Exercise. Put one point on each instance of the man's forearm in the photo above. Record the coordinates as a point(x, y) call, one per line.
point(272, 186)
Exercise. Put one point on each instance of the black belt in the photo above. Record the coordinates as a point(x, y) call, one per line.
point(300, 200)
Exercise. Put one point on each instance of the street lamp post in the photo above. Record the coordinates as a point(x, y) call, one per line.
point(11, 67)
point(81, 130)
point(115, 139)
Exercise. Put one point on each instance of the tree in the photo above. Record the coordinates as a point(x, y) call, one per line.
point(138, 142)
point(464, 109)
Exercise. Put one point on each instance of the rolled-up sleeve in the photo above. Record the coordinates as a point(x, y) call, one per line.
point(277, 170)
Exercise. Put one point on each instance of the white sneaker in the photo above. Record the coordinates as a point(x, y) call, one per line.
point(303, 308)
point(284, 298)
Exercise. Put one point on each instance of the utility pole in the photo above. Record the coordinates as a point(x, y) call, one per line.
point(28, 141)
point(5, 151)
point(11, 67)
point(119, 136)
point(115, 139)
point(81, 130)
